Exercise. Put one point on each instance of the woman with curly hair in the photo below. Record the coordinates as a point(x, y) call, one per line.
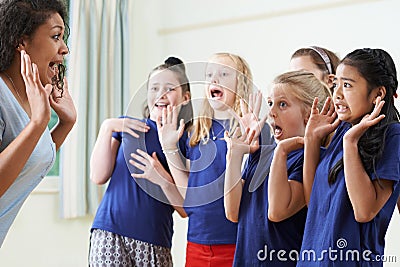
point(32, 50)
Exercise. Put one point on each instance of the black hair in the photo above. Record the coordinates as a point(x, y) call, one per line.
point(22, 18)
point(176, 65)
point(378, 69)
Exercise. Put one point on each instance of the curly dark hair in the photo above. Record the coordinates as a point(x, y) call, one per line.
point(378, 69)
point(22, 18)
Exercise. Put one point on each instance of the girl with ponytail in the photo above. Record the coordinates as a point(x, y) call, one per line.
point(133, 225)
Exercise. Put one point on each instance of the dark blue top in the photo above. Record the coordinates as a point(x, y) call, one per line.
point(332, 236)
point(258, 236)
point(204, 202)
point(136, 208)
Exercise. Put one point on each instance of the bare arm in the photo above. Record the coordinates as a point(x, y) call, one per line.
point(169, 135)
point(319, 125)
point(17, 153)
point(367, 197)
point(103, 156)
point(65, 109)
point(233, 186)
point(285, 197)
point(237, 147)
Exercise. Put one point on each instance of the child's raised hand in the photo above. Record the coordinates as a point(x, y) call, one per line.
point(241, 144)
point(126, 125)
point(320, 124)
point(250, 114)
point(290, 144)
point(151, 167)
point(354, 133)
point(168, 132)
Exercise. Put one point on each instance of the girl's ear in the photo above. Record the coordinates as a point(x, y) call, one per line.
point(329, 81)
point(307, 116)
point(187, 98)
point(21, 45)
point(381, 91)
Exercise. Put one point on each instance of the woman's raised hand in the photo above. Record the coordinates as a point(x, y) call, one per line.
point(38, 96)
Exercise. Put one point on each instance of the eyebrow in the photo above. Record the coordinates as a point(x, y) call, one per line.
point(58, 26)
point(345, 79)
point(348, 79)
point(157, 83)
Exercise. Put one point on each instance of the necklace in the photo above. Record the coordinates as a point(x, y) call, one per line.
point(215, 136)
point(14, 88)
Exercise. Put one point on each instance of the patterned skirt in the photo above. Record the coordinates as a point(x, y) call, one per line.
point(111, 250)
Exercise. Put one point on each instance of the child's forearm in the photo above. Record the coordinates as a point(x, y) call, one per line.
point(233, 186)
point(366, 196)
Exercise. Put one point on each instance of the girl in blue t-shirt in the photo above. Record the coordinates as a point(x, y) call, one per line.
point(268, 203)
point(352, 187)
point(211, 237)
point(133, 225)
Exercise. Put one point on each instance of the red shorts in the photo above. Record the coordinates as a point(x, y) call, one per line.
point(198, 255)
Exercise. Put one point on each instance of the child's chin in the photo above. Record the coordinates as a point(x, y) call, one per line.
point(217, 104)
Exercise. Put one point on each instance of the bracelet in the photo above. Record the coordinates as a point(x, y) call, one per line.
point(170, 151)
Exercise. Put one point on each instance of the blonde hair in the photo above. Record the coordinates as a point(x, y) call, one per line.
point(305, 87)
point(244, 87)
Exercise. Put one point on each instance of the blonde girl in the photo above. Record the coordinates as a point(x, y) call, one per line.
point(271, 216)
point(211, 237)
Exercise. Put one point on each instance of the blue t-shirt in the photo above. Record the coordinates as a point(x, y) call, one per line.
point(259, 240)
point(332, 236)
point(204, 203)
point(136, 208)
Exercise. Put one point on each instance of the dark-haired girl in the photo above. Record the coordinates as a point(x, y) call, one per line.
point(32, 50)
point(133, 225)
point(352, 187)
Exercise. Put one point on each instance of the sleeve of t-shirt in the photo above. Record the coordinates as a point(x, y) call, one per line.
point(295, 168)
point(117, 135)
point(388, 167)
point(259, 163)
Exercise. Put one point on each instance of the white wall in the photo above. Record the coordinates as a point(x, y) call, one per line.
point(265, 33)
